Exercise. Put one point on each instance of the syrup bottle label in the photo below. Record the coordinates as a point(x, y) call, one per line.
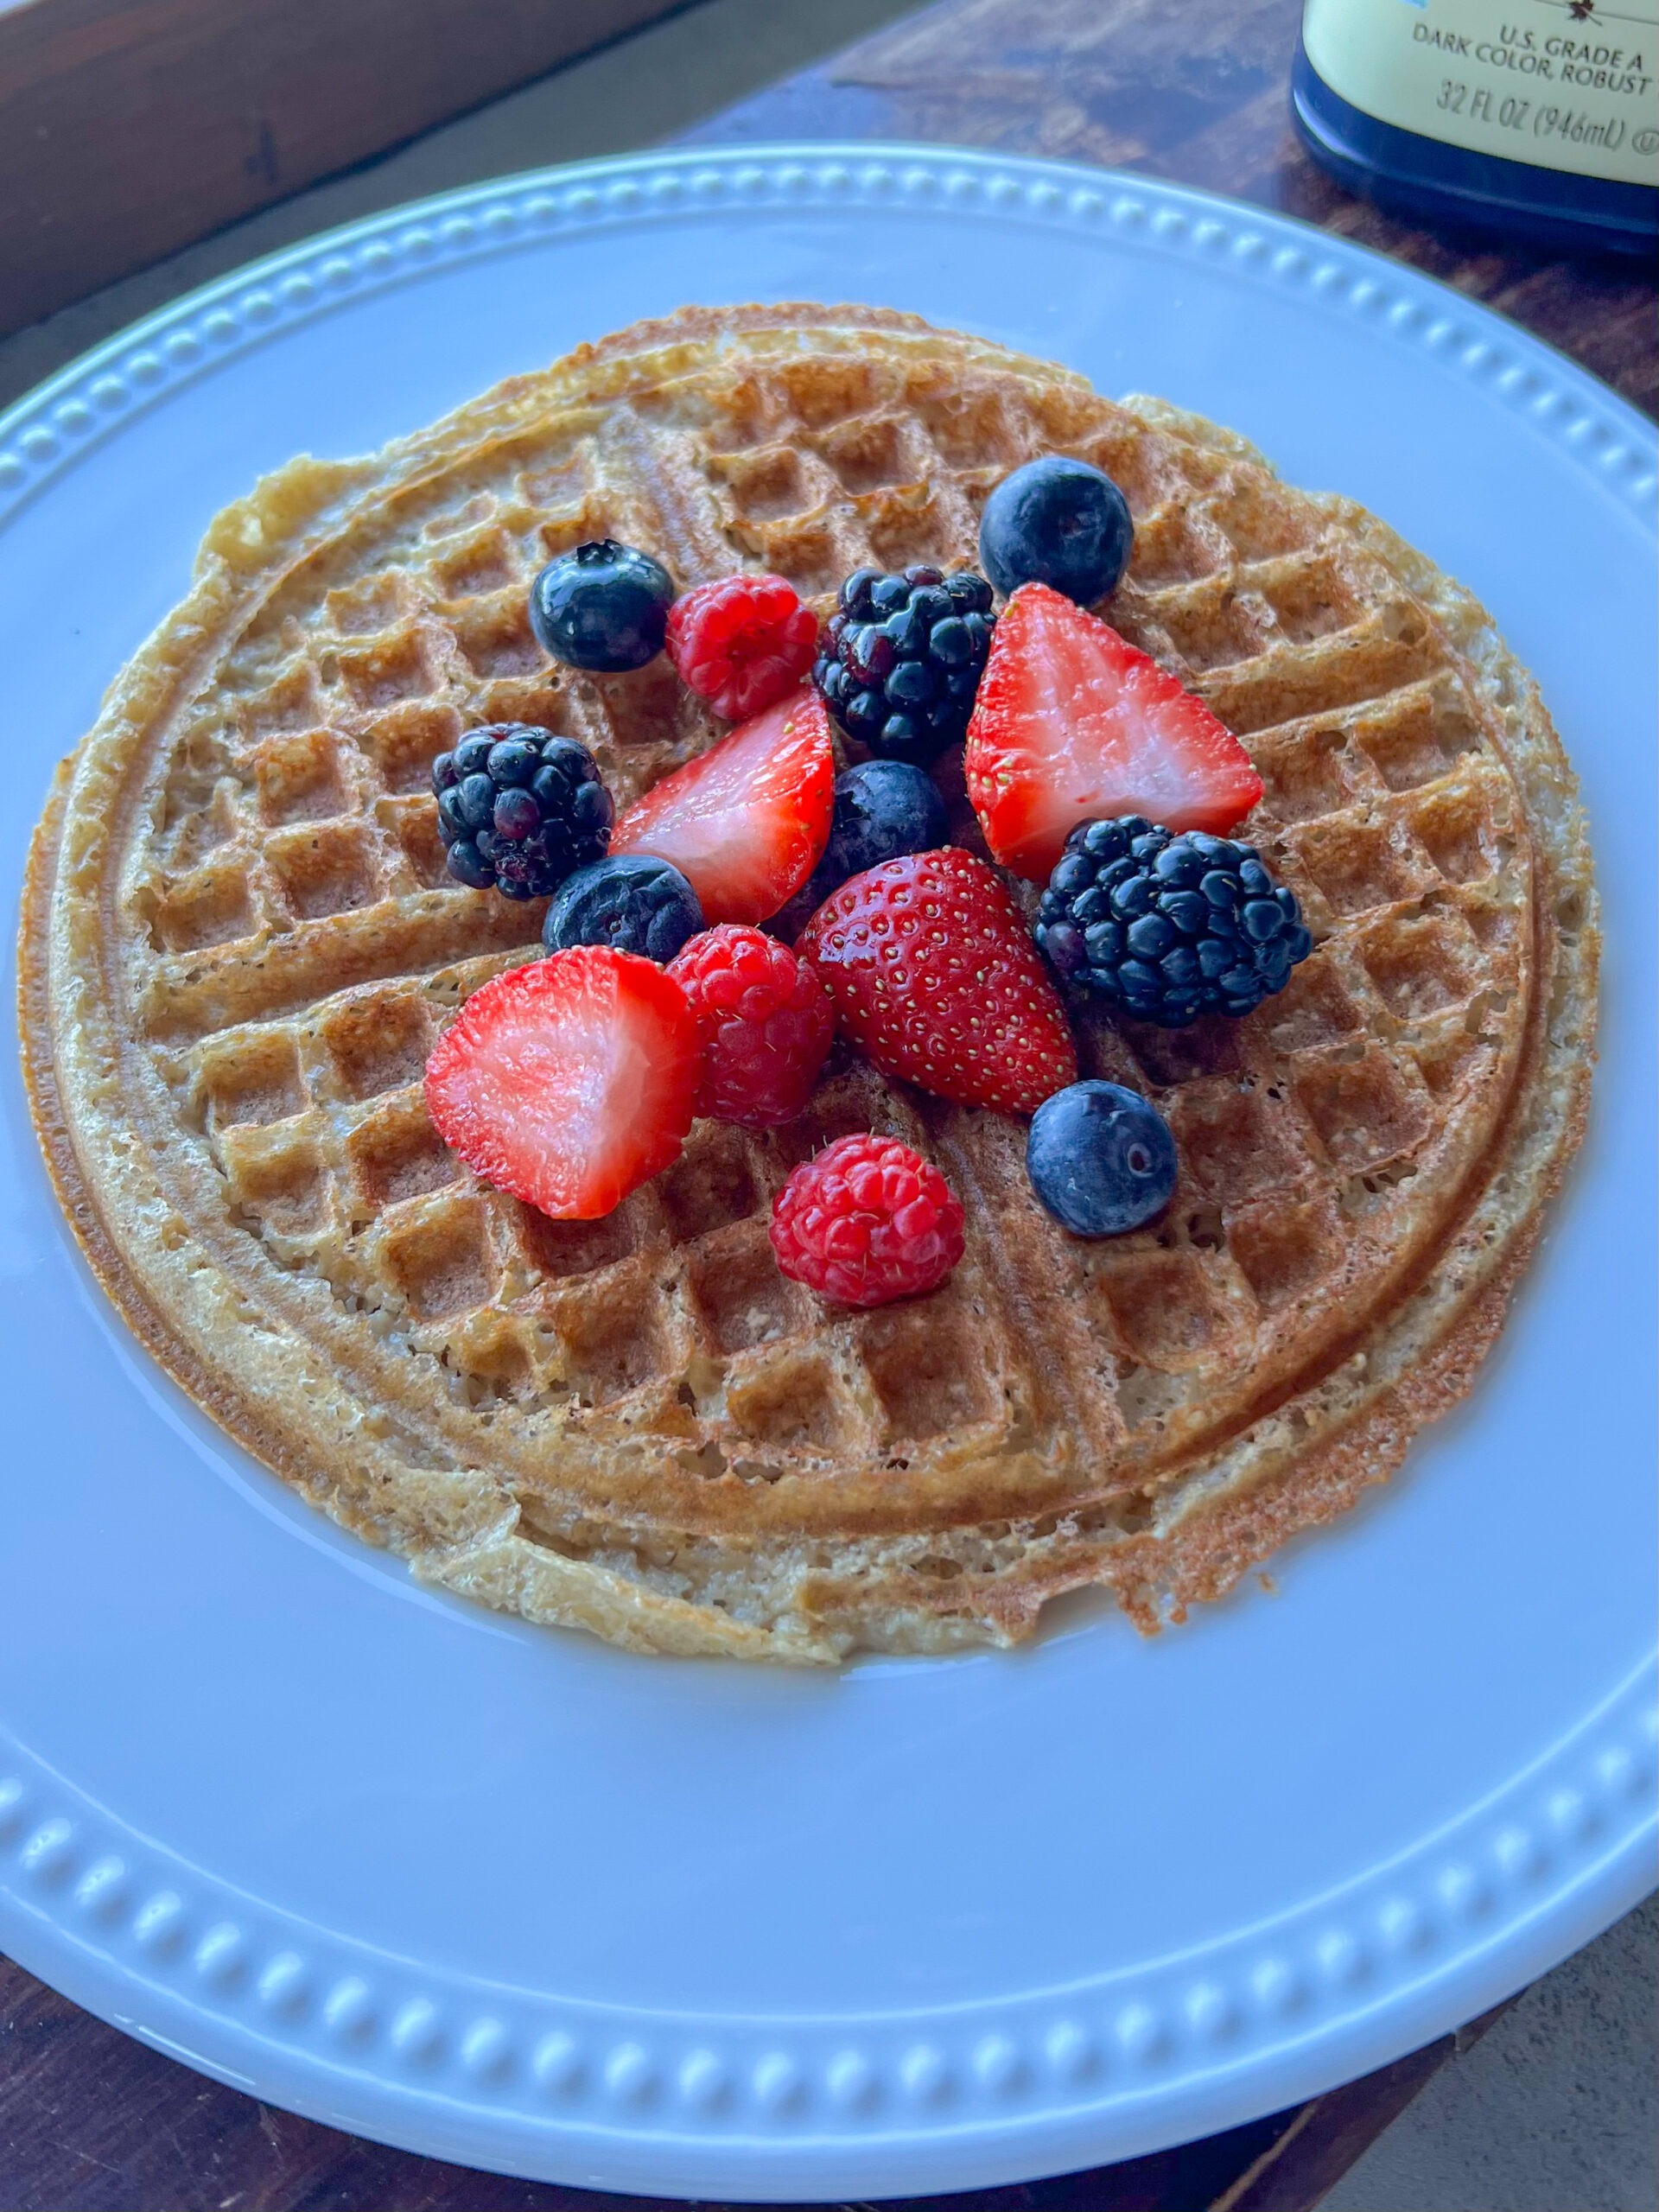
point(1561, 83)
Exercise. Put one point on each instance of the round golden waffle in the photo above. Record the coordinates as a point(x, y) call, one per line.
point(239, 944)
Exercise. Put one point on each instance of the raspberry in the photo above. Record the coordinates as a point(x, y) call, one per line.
point(766, 1023)
point(741, 642)
point(866, 1221)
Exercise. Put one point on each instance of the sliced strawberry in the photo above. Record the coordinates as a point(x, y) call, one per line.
point(935, 976)
point(1073, 723)
point(747, 820)
point(570, 1082)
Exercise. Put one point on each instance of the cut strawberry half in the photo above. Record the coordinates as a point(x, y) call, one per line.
point(570, 1082)
point(1073, 723)
point(745, 821)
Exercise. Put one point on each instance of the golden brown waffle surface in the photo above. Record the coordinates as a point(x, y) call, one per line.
point(239, 945)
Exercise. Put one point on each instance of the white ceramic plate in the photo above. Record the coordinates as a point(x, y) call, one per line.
point(511, 1897)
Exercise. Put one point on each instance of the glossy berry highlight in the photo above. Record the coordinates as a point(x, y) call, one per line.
point(603, 606)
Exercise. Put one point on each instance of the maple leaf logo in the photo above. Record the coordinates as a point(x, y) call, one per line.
point(1581, 11)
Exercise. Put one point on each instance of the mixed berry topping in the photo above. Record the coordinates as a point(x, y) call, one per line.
point(902, 658)
point(604, 606)
point(574, 1079)
point(1167, 927)
point(767, 1024)
point(1059, 522)
point(866, 1221)
point(741, 642)
point(883, 810)
point(518, 808)
point(936, 980)
point(629, 900)
point(745, 821)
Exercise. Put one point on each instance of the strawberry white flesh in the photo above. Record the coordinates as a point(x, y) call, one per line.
point(1073, 723)
point(747, 822)
point(570, 1082)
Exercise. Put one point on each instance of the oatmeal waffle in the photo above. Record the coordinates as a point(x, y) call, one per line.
point(239, 944)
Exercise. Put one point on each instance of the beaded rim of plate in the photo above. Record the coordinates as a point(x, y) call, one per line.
point(560, 2087)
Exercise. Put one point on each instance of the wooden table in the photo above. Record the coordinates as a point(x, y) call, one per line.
point(1191, 90)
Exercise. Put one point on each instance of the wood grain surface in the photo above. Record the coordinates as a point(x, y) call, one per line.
point(1195, 91)
point(131, 127)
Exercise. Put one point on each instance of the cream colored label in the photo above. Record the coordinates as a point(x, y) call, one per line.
point(1563, 84)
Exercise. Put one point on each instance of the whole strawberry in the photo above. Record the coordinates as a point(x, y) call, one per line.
point(935, 979)
point(866, 1221)
point(767, 1024)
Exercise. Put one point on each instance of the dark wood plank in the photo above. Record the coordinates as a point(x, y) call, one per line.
point(1191, 90)
point(131, 127)
point(1194, 90)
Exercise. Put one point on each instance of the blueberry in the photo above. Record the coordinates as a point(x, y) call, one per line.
point(631, 900)
point(604, 606)
point(1100, 1158)
point(1059, 522)
point(883, 808)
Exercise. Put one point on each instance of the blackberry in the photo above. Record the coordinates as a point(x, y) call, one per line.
point(902, 658)
point(518, 808)
point(1167, 927)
